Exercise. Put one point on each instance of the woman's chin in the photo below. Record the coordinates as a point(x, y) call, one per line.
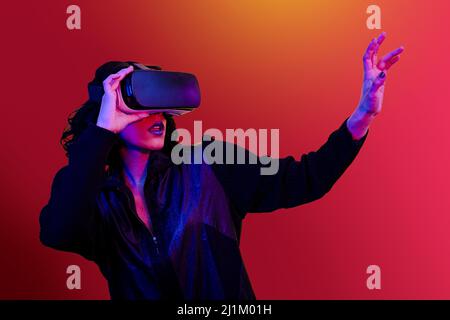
point(154, 144)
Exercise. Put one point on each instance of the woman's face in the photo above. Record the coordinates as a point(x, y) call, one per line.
point(147, 133)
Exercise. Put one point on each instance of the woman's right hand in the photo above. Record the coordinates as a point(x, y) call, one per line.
point(114, 114)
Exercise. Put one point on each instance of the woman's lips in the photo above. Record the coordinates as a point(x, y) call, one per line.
point(157, 128)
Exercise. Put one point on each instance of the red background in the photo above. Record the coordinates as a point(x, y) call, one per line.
point(293, 65)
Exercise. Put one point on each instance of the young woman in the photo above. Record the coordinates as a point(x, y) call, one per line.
point(163, 231)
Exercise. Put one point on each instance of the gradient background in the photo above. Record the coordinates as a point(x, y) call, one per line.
point(293, 65)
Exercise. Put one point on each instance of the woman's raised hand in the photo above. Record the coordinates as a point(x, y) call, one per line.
point(375, 72)
point(371, 101)
point(114, 114)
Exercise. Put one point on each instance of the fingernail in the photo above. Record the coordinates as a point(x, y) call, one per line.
point(382, 75)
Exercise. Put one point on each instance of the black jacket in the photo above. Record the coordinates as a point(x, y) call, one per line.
point(196, 213)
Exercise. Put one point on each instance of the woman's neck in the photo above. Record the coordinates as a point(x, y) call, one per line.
point(134, 164)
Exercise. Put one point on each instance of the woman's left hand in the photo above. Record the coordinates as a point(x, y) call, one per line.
point(375, 72)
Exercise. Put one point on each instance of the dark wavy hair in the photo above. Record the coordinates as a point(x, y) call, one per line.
point(79, 119)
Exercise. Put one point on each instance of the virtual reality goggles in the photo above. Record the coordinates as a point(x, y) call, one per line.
point(148, 89)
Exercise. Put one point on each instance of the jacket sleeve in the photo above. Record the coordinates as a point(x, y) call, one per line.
point(295, 182)
point(70, 221)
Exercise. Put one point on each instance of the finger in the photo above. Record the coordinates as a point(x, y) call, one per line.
point(382, 64)
point(109, 81)
point(381, 38)
point(367, 58)
point(116, 75)
point(138, 116)
point(378, 43)
point(121, 74)
point(144, 114)
point(124, 70)
point(379, 81)
point(391, 62)
point(109, 78)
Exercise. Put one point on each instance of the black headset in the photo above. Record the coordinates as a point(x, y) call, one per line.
point(96, 90)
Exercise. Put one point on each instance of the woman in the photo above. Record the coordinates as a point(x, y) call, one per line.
point(163, 231)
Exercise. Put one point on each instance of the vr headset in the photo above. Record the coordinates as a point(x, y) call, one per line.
point(145, 88)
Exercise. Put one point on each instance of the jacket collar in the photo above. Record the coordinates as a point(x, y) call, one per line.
point(157, 165)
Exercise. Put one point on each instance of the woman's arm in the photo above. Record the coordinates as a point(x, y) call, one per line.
point(69, 221)
point(300, 181)
point(297, 181)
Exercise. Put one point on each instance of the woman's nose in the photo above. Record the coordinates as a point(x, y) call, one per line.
point(159, 115)
point(156, 116)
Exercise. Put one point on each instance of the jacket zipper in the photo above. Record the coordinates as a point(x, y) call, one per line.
point(133, 209)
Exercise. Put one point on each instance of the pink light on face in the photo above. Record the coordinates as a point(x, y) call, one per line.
point(143, 133)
